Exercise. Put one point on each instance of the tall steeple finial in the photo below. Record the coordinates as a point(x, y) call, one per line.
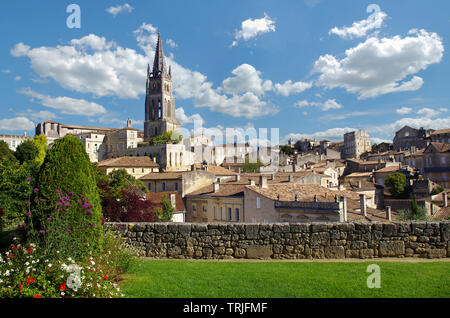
point(159, 63)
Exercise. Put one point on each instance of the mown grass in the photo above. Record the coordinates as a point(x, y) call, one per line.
point(209, 279)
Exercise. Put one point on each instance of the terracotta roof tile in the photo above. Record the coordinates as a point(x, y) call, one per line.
point(224, 190)
point(220, 171)
point(161, 176)
point(129, 162)
point(156, 199)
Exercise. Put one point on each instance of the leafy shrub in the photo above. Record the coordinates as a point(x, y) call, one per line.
point(415, 213)
point(67, 170)
point(169, 137)
point(396, 184)
point(128, 208)
point(166, 213)
point(6, 154)
point(26, 151)
point(40, 142)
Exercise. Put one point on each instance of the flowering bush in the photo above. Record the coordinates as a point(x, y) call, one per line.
point(27, 271)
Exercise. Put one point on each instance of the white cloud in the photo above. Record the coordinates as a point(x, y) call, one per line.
point(18, 123)
point(94, 65)
point(361, 28)
point(118, 9)
point(327, 105)
point(171, 43)
point(288, 87)
point(332, 134)
point(6, 71)
point(184, 119)
point(443, 109)
point(251, 28)
point(39, 116)
point(17, 78)
point(377, 140)
point(404, 110)
point(66, 105)
point(428, 112)
point(246, 80)
point(381, 66)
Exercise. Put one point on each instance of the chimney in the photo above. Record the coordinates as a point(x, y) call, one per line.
point(445, 199)
point(388, 213)
point(344, 208)
point(362, 202)
point(263, 181)
point(359, 184)
point(252, 182)
point(216, 186)
point(238, 177)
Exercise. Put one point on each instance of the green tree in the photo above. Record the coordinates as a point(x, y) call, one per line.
point(67, 176)
point(415, 213)
point(166, 214)
point(374, 147)
point(5, 152)
point(40, 142)
point(251, 166)
point(26, 151)
point(169, 137)
point(396, 184)
point(120, 180)
point(287, 150)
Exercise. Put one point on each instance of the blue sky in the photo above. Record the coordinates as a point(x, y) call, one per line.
point(312, 68)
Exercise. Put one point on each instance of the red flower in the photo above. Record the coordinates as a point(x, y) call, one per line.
point(62, 287)
point(20, 286)
point(30, 280)
point(105, 277)
point(29, 251)
point(37, 296)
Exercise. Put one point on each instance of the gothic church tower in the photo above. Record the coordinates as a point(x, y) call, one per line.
point(159, 101)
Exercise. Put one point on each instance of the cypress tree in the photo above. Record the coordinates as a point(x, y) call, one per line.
point(70, 215)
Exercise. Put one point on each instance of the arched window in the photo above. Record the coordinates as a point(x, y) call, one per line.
point(159, 109)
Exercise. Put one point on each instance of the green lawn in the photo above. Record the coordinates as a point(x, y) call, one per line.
point(209, 279)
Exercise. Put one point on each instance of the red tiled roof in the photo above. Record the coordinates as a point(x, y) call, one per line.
point(224, 190)
point(156, 199)
point(129, 162)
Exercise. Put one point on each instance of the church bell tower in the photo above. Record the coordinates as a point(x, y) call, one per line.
point(159, 101)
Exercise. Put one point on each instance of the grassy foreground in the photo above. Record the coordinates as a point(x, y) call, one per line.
point(209, 279)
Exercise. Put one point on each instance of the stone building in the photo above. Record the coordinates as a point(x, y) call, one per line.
point(135, 166)
point(117, 142)
point(54, 130)
point(408, 137)
point(159, 100)
point(92, 142)
point(14, 140)
point(202, 148)
point(442, 136)
point(436, 163)
point(355, 144)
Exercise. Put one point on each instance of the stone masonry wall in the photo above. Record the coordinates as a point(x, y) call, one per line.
point(288, 240)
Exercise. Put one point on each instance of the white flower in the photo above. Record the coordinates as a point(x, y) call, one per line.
point(49, 265)
point(26, 264)
point(7, 272)
point(62, 293)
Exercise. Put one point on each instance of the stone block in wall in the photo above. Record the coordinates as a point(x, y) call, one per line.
point(160, 228)
point(195, 227)
point(281, 228)
point(334, 252)
point(445, 231)
point(403, 227)
point(389, 229)
point(239, 252)
point(259, 251)
point(366, 253)
point(172, 228)
point(392, 248)
point(320, 227)
point(237, 228)
point(184, 229)
point(436, 253)
point(352, 253)
point(299, 227)
point(363, 227)
point(252, 231)
point(156, 251)
point(148, 237)
point(138, 227)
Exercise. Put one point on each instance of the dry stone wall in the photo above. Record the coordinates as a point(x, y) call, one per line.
point(288, 240)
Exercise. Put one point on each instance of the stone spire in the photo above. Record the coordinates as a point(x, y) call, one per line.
point(159, 63)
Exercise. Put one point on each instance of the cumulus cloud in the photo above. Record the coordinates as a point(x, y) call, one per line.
point(17, 78)
point(66, 105)
point(171, 43)
point(381, 66)
point(361, 28)
point(252, 28)
point(185, 119)
point(119, 9)
point(38, 116)
point(404, 110)
point(247, 79)
point(428, 112)
point(332, 134)
point(18, 123)
point(289, 87)
point(327, 105)
point(94, 65)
